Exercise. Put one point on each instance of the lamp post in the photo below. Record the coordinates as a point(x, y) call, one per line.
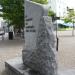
point(55, 19)
point(73, 29)
point(72, 18)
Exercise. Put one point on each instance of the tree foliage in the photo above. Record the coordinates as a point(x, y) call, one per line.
point(70, 16)
point(41, 1)
point(13, 12)
point(51, 13)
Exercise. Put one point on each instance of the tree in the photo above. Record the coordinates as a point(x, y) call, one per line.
point(70, 18)
point(70, 15)
point(51, 13)
point(13, 12)
point(41, 1)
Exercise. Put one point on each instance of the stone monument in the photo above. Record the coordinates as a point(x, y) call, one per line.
point(39, 52)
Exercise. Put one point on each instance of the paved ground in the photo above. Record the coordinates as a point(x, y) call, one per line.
point(67, 33)
point(9, 49)
point(66, 53)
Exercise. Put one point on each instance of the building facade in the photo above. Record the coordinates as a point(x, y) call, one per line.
point(59, 7)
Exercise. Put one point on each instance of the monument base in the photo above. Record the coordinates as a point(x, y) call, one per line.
point(16, 67)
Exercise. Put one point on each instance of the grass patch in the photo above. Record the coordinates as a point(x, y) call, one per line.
point(63, 29)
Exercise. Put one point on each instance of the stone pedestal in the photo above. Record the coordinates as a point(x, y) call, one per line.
point(16, 67)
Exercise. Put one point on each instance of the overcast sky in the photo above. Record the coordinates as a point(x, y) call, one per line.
point(71, 3)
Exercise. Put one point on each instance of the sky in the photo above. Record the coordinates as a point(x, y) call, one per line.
point(71, 3)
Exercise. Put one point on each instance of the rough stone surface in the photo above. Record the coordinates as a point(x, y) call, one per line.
point(42, 59)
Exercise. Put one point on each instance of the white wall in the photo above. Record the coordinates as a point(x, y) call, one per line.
point(1, 19)
point(71, 4)
point(61, 8)
point(52, 4)
point(58, 6)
